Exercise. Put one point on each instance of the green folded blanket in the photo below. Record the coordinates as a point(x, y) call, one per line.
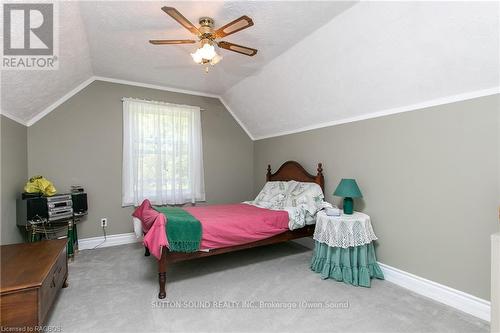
point(183, 229)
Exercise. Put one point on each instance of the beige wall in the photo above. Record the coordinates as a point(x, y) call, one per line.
point(429, 180)
point(80, 142)
point(14, 172)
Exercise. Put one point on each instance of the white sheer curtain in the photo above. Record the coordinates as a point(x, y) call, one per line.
point(162, 153)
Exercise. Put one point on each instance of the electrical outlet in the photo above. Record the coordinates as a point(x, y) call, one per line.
point(104, 222)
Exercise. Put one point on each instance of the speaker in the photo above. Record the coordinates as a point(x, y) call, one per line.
point(79, 202)
point(37, 207)
point(34, 208)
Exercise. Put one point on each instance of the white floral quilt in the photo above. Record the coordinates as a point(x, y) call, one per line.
point(301, 200)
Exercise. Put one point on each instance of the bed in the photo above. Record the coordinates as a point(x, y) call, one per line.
point(276, 232)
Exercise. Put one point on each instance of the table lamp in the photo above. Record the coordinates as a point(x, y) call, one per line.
point(348, 189)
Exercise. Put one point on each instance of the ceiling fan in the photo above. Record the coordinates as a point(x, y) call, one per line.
point(207, 36)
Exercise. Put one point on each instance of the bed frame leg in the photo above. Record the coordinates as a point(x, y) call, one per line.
point(162, 274)
point(146, 252)
point(162, 279)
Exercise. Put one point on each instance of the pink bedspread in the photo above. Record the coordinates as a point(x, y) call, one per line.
point(222, 225)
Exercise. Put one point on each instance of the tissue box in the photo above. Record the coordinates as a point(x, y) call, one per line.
point(333, 212)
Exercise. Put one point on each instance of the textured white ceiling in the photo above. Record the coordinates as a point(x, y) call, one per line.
point(118, 35)
point(374, 56)
point(27, 93)
point(318, 62)
point(110, 39)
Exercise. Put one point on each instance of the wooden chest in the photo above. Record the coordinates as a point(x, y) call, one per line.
point(31, 276)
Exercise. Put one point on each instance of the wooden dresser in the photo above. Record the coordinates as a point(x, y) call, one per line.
point(31, 276)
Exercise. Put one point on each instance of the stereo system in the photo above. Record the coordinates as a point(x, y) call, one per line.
point(32, 210)
point(59, 207)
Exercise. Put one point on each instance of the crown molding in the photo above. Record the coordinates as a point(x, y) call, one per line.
point(182, 91)
point(236, 118)
point(387, 112)
point(85, 83)
point(14, 118)
point(61, 100)
point(382, 113)
point(154, 86)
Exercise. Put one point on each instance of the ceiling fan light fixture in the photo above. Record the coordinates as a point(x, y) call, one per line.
point(208, 37)
point(206, 53)
point(197, 57)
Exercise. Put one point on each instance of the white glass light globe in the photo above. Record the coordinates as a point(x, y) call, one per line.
point(197, 57)
point(207, 52)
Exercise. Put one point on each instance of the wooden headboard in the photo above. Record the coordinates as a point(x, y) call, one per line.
point(292, 170)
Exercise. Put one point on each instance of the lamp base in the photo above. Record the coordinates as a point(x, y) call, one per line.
point(348, 206)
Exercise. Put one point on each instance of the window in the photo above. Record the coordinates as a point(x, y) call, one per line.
point(162, 153)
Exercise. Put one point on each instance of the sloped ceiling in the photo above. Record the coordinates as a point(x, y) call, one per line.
point(27, 93)
point(375, 56)
point(318, 62)
point(118, 36)
point(110, 39)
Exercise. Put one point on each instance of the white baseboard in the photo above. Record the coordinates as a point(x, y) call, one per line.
point(111, 240)
point(455, 298)
point(452, 297)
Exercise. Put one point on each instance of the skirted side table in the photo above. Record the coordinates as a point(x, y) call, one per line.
point(344, 249)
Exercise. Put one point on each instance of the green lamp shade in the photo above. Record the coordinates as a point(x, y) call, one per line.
point(348, 188)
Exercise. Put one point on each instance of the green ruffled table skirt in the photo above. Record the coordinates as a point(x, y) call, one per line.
point(354, 265)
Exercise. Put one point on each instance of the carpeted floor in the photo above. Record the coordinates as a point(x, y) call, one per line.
point(115, 289)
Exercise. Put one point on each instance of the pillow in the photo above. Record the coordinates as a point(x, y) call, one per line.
point(302, 200)
point(146, 214)
point(272, 195)
point(306, 195)
point(292, 194)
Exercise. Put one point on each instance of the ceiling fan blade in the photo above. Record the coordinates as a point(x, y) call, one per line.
point(176, 15)
point(234, 26)
point(171, 41)
point(238, 48)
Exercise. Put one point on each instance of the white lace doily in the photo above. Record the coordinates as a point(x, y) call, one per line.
point(345, 230)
